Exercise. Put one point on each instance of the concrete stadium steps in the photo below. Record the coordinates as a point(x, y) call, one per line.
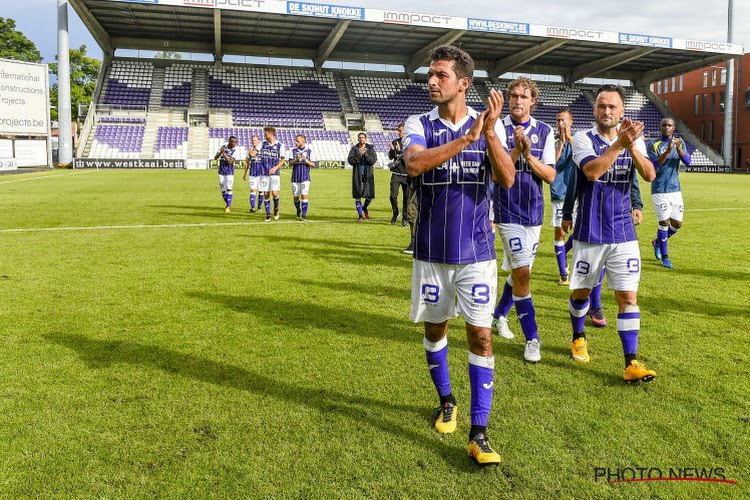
point(199, 93)
point(157, 89)
point(197, 143)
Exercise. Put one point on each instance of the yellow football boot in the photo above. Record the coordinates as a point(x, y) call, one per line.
point(446, 416)
point(579, 350)
point(227, 210)
point(481, 451)
point(637, 372)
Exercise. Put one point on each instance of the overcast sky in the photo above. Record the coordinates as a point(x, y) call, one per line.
point(686, 19)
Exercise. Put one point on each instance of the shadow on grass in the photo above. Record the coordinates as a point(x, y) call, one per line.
point(361, 410)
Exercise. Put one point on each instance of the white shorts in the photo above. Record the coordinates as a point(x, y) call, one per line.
point(668, 206)
point(226, 182)
point(519, 245)
point(275, 182)
point(435, 288)
point(300, 188)
point(254, 182)
point(270, 183)
point(623, 262)
point(557, 213)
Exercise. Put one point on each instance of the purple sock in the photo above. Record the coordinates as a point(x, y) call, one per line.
point(578, 311)
point(628, 325)
point(662, 236)
point(481, 374)
point(252, 201)
point(267, 204)
point(304, 208)
point(672, 231)
point(526, 316)
point(437, 362)
point(561, 260)
point(596, 293)
point(505, 303)
point(276, 204)
point(358, 204)
point(224, 197)
point(568, 245)
point(229, 199)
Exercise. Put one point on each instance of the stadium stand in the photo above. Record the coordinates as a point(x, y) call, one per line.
point(241, 99)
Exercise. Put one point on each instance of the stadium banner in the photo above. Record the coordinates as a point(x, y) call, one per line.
point(662, 42)
point(7, 161)
point(24, 105)
point(490, 25)
point(30, 152)
point(126, 163)
point(572, 33)
point(415, 19)
point(325, 10)
point(708, 169)
point(329, 164)
point(704, 46)
point(269, 6)
point(237, 165)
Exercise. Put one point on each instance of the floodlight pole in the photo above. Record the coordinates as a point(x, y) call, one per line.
point(64, 135)
point(729, 98)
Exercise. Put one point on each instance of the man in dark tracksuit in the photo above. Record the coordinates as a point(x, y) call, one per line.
point(398, 176)
point(362, 157)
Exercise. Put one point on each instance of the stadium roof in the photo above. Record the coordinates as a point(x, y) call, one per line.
point(320, 32)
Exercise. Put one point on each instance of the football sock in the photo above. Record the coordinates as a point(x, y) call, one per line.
point(297, 205)
point(367, 204)
point(275, 204)
point(561, 260)
point(267, 204)
point(224, 196)
point(252, 201)
point(672, 231)
point(568, 245)
point(304, 208)
point(596, 293)
point(229, 198)
point(437, 362)
point(662, 237)
point(477, 429)
point(358, 204)
point(578, 310)
point(526, 316)
point(481, 374)
point(506, 300)
point(628, 325)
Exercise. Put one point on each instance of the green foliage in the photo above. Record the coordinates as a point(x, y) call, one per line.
point(235, 358)
point(168, 54)
point(15, 45)
point(84, 71)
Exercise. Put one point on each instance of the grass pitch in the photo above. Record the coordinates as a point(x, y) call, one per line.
point(214, 355)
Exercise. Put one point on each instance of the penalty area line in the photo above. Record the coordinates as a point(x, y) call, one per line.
point(163, 226)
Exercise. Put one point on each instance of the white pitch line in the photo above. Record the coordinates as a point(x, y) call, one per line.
point(45, 177)
point(730, 209)
point(162, 226)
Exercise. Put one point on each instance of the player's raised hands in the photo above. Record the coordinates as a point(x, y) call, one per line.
point(629, 132)
point(475, 132)
point(494, 108)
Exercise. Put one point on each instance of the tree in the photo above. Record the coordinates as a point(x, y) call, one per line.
point(84, 71)
point(167, 54)
point(15, 45)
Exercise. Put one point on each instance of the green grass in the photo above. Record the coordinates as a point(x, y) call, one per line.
point(257, 360)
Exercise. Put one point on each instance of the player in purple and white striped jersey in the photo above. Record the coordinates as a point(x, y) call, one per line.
point(604, 235)
point(254, 166)
point(300, 158)
point(520, 209)
point(271, 159)
point(454, 152)
point(226, 157)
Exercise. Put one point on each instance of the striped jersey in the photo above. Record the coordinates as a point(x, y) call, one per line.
point(256, 168)
point(523, 203)
point(604, 208)
point(226, 168)
point(270, 154)
point(453, 223)
point(666, 180)
point(300, 171)
point(563, 168)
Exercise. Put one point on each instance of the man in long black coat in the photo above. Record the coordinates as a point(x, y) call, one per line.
point(362, 157)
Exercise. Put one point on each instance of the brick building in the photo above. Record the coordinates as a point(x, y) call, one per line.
point(697, 98)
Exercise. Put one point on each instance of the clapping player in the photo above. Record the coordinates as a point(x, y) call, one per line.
point(226, 170)
point(301, 161)
point(254, 165)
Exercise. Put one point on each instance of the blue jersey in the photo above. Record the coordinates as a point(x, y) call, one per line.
point(256, 169)
point(226, 168)
point(453, 223)
point(301, 170)
point(270, 154)
point(666, 180)
point(564, 166)
point(523, 203)
point(604, 207)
